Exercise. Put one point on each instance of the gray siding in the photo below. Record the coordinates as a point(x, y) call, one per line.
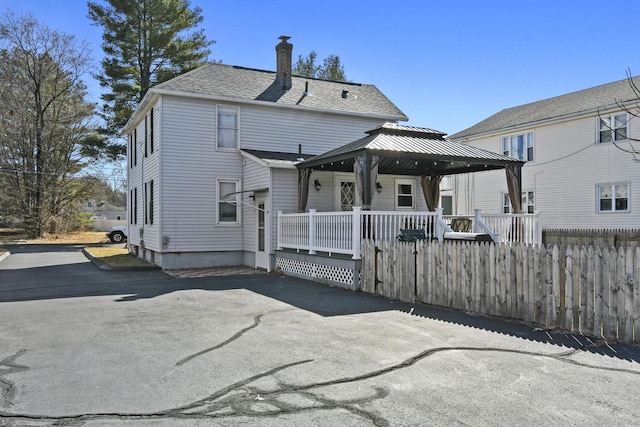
point(255, 176)
point(191, 167)
point(279, 129)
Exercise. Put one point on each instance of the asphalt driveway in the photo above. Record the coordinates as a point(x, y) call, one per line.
point(82, 346)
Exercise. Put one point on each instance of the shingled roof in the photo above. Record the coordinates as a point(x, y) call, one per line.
point(581, 102)
point(246, 84)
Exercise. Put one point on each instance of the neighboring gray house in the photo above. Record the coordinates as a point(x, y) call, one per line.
point(574, 174)
point(103, 210)
point(212, 157)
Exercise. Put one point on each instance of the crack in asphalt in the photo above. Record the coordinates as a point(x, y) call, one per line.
point(7, 387)
point(256, 322)
point(240, 399)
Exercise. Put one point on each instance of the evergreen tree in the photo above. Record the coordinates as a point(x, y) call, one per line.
point(331, 68)
point(145, 42)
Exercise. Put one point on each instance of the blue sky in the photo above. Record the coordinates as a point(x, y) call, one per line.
point(445, 64)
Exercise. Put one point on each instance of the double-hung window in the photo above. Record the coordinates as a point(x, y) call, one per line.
point(612, 197)
point(526, 199)
point(227, 128)
point(405, 194)
point(612, 128)
point(518, 146)
point(228, 202)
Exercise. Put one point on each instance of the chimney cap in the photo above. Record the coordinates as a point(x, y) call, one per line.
point(284, 38)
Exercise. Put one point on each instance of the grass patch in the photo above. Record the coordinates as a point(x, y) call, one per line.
point(15, 235)
point(116, 256)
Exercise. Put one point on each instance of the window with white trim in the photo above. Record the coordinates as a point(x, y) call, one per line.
point(612, 197)
point(518, 146)
point(612, 128)
point(526, 199)
point(405, 192)
point(227, 128)
point(228, 202)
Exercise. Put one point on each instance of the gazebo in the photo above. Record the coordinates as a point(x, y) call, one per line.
point(413, 151)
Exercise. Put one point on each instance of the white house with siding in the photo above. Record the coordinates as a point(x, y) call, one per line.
point(576, 172)
point(212, 155)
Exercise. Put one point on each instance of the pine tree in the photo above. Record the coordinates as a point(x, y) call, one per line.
point(145, 42)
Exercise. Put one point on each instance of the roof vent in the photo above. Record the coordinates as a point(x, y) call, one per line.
point(345, 93)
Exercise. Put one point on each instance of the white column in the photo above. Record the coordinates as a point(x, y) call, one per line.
point(476, 220)
point(356, 228)
point(438, 228)
point(279, 233)
point(312, 232)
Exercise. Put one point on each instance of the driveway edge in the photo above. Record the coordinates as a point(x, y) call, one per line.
point(108, 267)
point(4, 255)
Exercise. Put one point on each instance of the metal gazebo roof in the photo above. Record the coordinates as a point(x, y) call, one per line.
point(407, 150)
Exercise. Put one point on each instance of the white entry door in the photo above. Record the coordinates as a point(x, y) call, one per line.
point(262, 233)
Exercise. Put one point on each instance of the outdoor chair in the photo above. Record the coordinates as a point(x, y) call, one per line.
point(461, 225)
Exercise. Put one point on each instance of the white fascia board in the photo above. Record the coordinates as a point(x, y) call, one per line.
point(149, 98)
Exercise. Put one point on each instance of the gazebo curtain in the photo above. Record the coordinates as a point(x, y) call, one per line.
point(303, 188)
point(514, 175)
point(360, 167)
point(431, 190)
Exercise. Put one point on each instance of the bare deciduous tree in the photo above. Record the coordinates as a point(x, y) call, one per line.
point(44, 121)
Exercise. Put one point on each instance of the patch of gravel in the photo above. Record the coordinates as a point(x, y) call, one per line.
point(213, 272)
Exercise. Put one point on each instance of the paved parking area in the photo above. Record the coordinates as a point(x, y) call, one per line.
point(81, 346)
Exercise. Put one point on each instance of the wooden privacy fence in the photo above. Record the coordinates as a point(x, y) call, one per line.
point(593, 291)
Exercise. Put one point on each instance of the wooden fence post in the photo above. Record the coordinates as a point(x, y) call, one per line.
point(588, 290)
point(598, 292)
point(636, 295)
point(628, 293)
point(566, 315)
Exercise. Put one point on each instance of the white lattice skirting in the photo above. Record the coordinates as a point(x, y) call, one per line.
point(339, 275)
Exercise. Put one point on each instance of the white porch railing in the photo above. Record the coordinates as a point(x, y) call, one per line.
point(333, 232)
point(509, 228)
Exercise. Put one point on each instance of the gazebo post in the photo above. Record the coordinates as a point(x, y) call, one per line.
point(366, 182)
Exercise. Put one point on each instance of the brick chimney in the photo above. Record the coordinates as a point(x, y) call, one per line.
point(283, 66)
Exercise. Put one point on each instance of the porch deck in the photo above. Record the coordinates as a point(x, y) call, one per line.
point(334, 232)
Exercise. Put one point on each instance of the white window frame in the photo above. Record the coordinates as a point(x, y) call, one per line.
point(528, 146)
point(397, 194)
point(527, 199)
point(613, 186)
point(219, 127)
point(603, 127)
point(235, 200)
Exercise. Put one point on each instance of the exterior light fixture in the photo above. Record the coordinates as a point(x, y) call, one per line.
point(316, 184)
point(378, 187)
